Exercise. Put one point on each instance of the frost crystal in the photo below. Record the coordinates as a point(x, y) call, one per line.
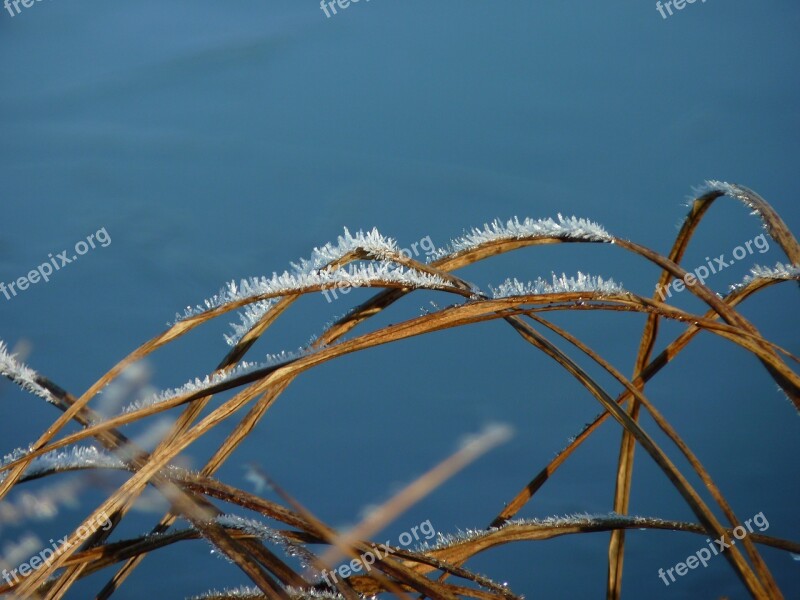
point(78, 457)
point(565, 228)
point(248, 317)
point(251, 526)
point(581, 283)
point(298, 594)
point(190, 387)
point(265, 533)
point(581, 519)
point(239, 592)
point(302, 274)
point(729, 189)
point(780, 271)
point(253, 593)
point(16, 454)
point(373, 242)
point(21, 374)
point(355, 275)
point(199, 385)
point(61, 460)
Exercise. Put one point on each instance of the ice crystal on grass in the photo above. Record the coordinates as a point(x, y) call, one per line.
point(298, 594)
point(237, 592)
point(253, 593)
point(580, 519)
point(729, 189)
point(45, 503)
point(373, 242)
point(14, 455)
point(209, 381)
point(581, 283)
point(248, 317)
point(779, 271)
point(354, 275)
point(191, 387)
point(74, 458)
point(22, 375)
point(302, 274)
point(316, 270)
point(565, 228)
point(265, 533)
point(251, 526)
point(574, 520)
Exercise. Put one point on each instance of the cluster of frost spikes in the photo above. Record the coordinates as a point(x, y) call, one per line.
point(77, 457)
point(239, 592)
point(372, 241)
point(354, 275)
point(729, 189)
point(248, 317)
point(198, 385)
point(209, 381)
point(253, 593)
point(22, 375)
point(564, 228)
point(267, 534)
point(312, 594)
point(16, 454)
point(779, 271)
point(581, 283)
point(581, 519)
point(585, 519)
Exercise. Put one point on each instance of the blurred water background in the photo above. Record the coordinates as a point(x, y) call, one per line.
point(216, 141)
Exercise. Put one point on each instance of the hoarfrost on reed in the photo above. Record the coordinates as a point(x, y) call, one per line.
point(21, 374)
point(779, 271)
point(563, 227)
point(557, 285)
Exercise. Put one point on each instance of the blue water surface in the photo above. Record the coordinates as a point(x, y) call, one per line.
point(214, 141)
